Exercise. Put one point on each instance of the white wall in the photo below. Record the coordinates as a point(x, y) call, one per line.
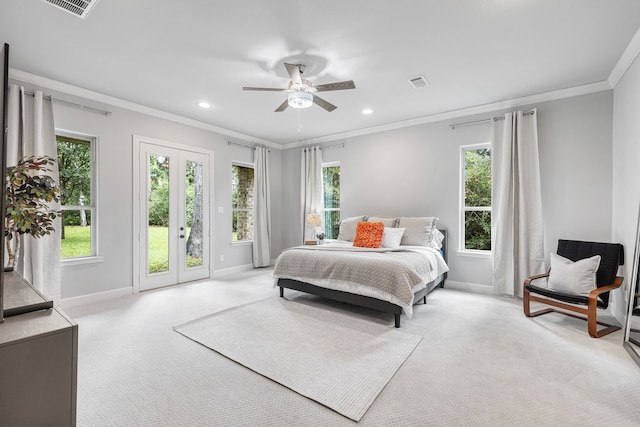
point(115, 192)
point(415, 172)
point(626, 176)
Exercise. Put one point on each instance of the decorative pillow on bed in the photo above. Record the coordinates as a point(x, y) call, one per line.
point(391, 237)
point(348, 228)
point(368, 235)
point(388, 222)
point(570, 277)
point(418, 230)
point(436, 241)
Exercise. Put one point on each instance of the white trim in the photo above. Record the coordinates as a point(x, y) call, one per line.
point(65, 262)
point(136, 141)
point(468, 287)
point(94, 207)
point(97, 297)
point(463, 112)
point(462, 208)
point(28, 78)
point(628, 56)
point(24, 77)
point(473, 253)
point(232, 270)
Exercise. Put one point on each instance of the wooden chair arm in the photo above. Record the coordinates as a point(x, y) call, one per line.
point(530, 279)
point(595, 293)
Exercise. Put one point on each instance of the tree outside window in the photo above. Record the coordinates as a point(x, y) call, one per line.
point(75, 163)
point(242, 202)
point(331, 188)
point(476, 194)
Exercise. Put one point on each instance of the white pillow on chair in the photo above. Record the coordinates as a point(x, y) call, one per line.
point(577, 278)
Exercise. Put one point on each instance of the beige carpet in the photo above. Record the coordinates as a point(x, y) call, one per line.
point(481, 363)
point(330, 357)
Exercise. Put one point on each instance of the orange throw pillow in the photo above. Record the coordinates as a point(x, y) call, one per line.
point(368, 235)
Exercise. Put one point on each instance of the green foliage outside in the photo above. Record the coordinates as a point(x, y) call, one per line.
point(477, 223)
point(77, 244)
point(331, 189)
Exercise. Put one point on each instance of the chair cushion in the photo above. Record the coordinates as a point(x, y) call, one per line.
point(564, 297)
point(578, 278)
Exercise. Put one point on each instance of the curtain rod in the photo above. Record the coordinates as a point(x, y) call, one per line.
point(252, 147)
point(476, 122)
point(72, 104)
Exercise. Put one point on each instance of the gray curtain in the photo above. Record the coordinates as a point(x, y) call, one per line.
point(517, 242)
point(262, 209)
point(32, 133)
point(311, 188)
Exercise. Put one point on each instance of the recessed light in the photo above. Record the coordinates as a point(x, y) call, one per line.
point(204, 105)
point(367, 111)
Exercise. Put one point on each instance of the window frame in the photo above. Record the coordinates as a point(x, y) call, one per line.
point(481, 253)
point(93, 207)
point(233, 210)
point(325, 209)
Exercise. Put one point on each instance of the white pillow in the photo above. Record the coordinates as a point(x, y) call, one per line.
point(388, 222)
point(436, 241)
point(418, 230)
point(391, 237)
point(577, 278)
point(348, 228)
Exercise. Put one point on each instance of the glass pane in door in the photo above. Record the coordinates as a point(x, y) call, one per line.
point(193, 214)
point(158, 215)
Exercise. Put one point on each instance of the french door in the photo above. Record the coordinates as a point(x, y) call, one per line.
point(173, 215)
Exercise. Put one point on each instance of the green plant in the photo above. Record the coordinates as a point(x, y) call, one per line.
point(28, 194)
point(320, 236)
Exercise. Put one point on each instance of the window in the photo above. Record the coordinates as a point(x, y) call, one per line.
point(242, 202)
point(331, 189)
point(76, 163)
point(475, 197)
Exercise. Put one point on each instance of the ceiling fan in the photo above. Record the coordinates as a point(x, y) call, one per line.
point(302, 91)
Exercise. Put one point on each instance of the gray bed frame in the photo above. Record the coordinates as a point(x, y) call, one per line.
point(365, 301)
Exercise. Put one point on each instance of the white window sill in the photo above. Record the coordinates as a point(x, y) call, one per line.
point(241, 242)
point(81, 260)
point(474, 254)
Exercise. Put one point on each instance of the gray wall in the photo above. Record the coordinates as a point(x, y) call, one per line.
point(415, 171)
point(115, 181)
point(626, 176)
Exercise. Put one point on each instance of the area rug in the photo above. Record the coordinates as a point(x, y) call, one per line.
point(335, 358)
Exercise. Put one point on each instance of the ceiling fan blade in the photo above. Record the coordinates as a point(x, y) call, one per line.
point(283, 106)
point(294, 73)
point(324, 104)
point(349, 84)
point(270, 89)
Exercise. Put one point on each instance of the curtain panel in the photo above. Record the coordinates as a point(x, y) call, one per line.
point(32, 133)
point(516, 219)
point(262, 209)
point(311, 188)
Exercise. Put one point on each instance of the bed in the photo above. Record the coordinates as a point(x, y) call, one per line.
point(389, 279)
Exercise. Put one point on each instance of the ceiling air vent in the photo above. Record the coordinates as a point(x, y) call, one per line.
point(419, 82)
point(79, 8)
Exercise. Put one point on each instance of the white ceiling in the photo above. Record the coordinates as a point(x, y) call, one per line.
point(168, 55)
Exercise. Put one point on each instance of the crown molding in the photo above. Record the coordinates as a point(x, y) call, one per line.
point(464, 112)
point(626, 60)
point(32, 79)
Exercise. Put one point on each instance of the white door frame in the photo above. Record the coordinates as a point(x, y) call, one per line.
point(137, 140)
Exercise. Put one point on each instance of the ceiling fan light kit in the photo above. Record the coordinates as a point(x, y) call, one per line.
point(301, 91)
point(300, 99)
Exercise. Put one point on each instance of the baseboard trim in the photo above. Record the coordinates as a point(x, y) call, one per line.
point(469, 287)
point(88, 299)
point(232, 270)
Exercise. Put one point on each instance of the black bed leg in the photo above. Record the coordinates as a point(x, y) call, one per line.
point(397, 319)
point(424, 298)
point(281, 292)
